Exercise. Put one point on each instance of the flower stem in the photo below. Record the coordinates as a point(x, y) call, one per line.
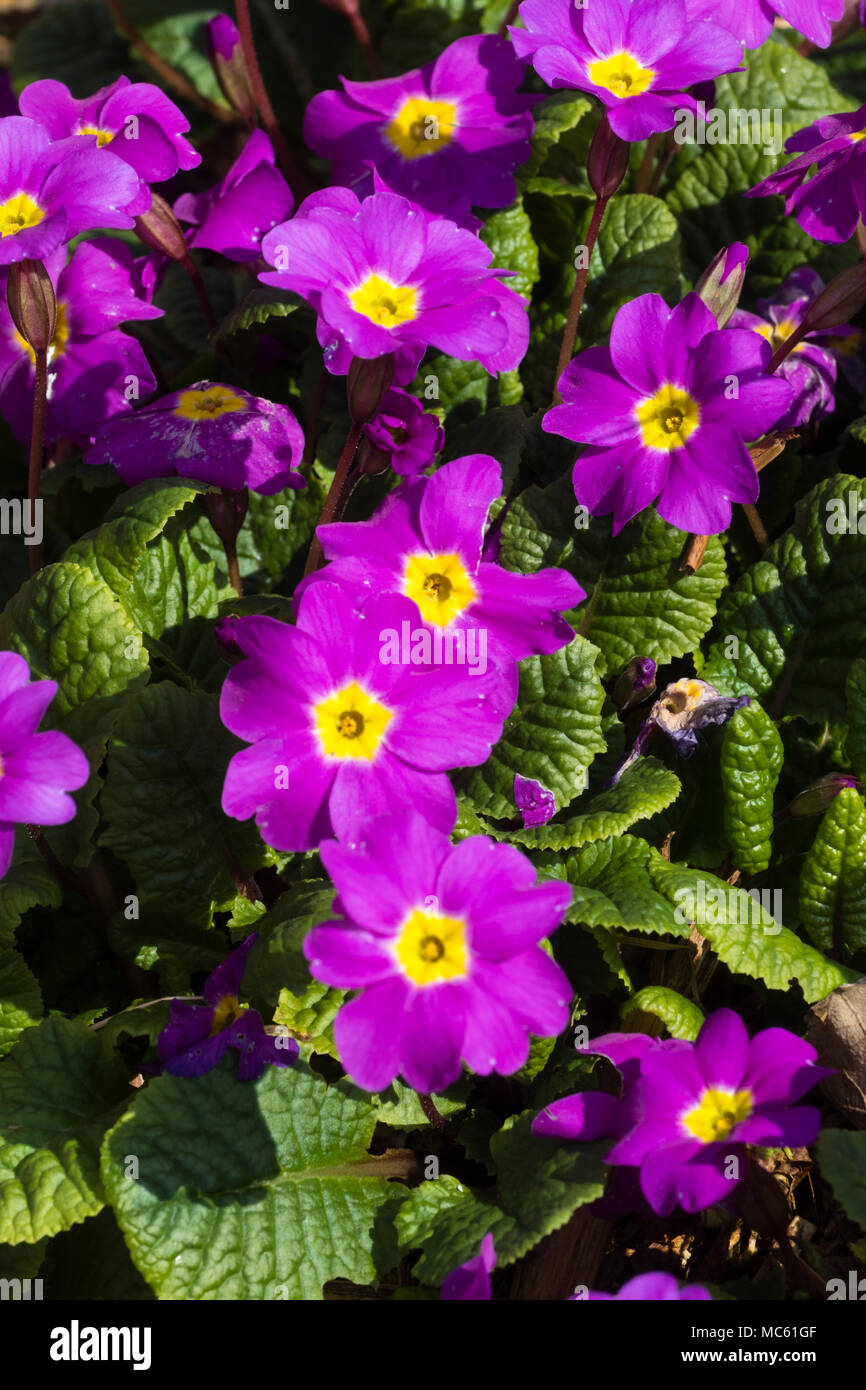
point(509, 18)
point(645, 172)
point(297, 179)
point(693, 554)
point(362, 34)
point(785, 349)
point(759, 531)
point(665, 160)
point(341, 491)
point(202, 295)
point(170, 76)
point(570, 334)
point(426, 1103)
point(37, 442)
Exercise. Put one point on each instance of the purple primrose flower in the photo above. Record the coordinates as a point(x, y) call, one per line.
point(37, 771)
point(472, 1279)
point(404, 434)
point(233, 217)
point(442, 941)
point(751, 21)
point(829, 204)
point(197, 1036)
point(654, 1288)
point(215, 433)
point(666, 411)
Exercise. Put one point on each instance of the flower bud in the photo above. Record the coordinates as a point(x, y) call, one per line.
point(840, 301)
point(722, 282)
point(815, 800)
point(534, 802)
point(227, 59)
point(369, 382)
point(226, 510)
point(32, 303)
point(635, 683)
point(160, 230)
point(607, 163)
point(224, 636)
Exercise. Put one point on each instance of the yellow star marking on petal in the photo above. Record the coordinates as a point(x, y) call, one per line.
point(103, 137)
point(422, 126)
point(668, 418)
point(57, 346)
point(779, 333)
point(19, 213)
point(351, 723)
point(620, 74)
point(439, 585)
point(857, 135)
point(383, 303)
point(718, 1113)
point(226, 1012)
point(208, 402)
point(848, 346)
point(431, 948)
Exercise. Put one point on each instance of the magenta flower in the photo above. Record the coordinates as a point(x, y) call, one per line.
point(751, 21)
point(217, 434)
point(385, 277)
point(638, 59)
point(426, 542)
point(338, 735)
point(233, 217)
point(701, 1106)
point(94, 370)
point(51, 192)
point(535, 803)
point(650, 1288)
point(829, 204)
point(591, 1115)
point(37, 771)
point(472, 1279)
point(443, 943)
point(197, 1036)
point(666, 411)
point(136, 121)
point(457, 126)
point(403, 434)
point(811, 367)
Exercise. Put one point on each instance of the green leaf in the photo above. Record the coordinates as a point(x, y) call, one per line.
point(797, 614)
point(638, 602)
point(680, 1016)
point(161, 803)
point(540, 1184)
point(509, 236)
point(855, 697)
point(557, 116)
point(743, 935)
point(114, 550)
point(92, 1262)
point(179, 36)
point(637, 252)
point(645, 789)
point(842, 1157)
point(28, 883)
point(751, 760)
point(833, 878)
point(500, 433)
point(58, 1095)
point(553, 733)
point(20, 999)
point(261, 304)
point(612, 888)
point(290, 1204)
point(76, 44)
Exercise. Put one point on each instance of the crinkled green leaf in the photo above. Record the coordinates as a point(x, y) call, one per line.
point(114, 550)
point(855, 697)
point(20, 999)
point(680, 1016)
point(27, 883)
point(612, 888)
point(645, 789)
point(833, 878)
point(751, 760)
point(509, 236)
point(637, 252)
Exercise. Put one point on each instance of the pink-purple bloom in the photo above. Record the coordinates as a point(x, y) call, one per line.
point(215, 433)
point(535, 803)
point(386, 277)
point(666, 411)
point(471, 1280)
point(94, 370)
point(233, 217)
point(338, 735)
point(50, 191)
point(443, 943)
point(135, 121)
point(829, 203)
point(403, 434)
point(458, 126)
point(426, 542)
point(37, 770)
point(649, 1288)
point(638, 59)
point(197, 1036)
point(751, 21)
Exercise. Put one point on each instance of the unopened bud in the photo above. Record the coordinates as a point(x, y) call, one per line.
point(607, 163)
point(228, 62)
point(160, 230)
point(224, 636)
point(635, 683)
point(32, 303)
point(226, 510)
point(815, 800)
point(839, 302)
point(722, 282)
point(534, 802)
point(369, 383)
point(372, 461)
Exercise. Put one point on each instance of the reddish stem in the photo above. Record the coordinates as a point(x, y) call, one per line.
point(37, 443)
point(338, 496)
point(570, 334)
point(299, 182)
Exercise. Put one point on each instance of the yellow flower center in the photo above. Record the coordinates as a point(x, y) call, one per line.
point(718, 1113)
point(439, 585)
point(208, 402)
point(621, 74)
point(779, 333)
point(422, 126)
point(845, 347)
point(103, 137)
point(385, 304)
point(351, 723)
point(857, 135)
point(227, 1010)
point(684, 695)
point(19, 213)
point(58, 343)
point(431, 948)
point(668, 418)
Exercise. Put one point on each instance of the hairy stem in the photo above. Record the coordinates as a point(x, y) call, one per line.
point(298, 180)
point(37, 444)
point(570, 334)
point(341, 491)
point(170, 76)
